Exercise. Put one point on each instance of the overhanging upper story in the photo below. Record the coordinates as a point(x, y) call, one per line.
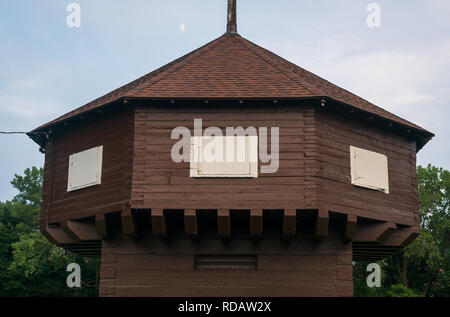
point(338, 154)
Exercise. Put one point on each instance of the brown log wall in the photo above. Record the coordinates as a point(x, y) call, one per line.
point(158, 182)
point(337, 133)
point(114, 132)
point(314, 165)
point(154, 268)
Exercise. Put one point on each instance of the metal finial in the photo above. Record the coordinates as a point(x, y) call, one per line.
point(231, 18)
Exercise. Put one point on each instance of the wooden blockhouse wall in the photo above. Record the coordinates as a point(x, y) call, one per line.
point(295, 232)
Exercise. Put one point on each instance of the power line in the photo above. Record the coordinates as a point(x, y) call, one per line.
point(46, 134)
point(16, 132)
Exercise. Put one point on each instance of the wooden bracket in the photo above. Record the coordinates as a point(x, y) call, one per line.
point(256, 223)
point(190, 223)
point(223, 223)
point(402, 236)
point(128, 224)
point(158, 223)
point(289, 223)
point(79, 230)
point(57, 235)
point(101, 225)
point(322, 221)
point(351, 224)
point(374, 232)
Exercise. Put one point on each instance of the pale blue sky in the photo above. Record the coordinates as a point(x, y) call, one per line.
point(48, 69)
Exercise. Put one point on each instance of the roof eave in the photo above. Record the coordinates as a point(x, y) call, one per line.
point(426, 135)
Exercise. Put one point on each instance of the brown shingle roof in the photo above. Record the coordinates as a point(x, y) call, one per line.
point(232, 67)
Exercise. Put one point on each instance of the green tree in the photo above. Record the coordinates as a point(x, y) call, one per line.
point(422, 268)
point(398, 290)
point(29, 187)
point(432, 249)
point(29, 264)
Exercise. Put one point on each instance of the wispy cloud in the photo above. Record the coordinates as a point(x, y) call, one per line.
point(406, 83)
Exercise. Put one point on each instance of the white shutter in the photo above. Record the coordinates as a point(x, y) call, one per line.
point(369, 169)
point(235, 156)
point(85, 169)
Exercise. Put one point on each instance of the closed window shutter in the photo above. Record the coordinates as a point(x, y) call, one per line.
point(369, 169)
point(85, 169)
point(235, 156)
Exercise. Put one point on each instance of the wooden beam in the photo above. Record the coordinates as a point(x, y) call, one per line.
point(367, 259)
point(374, 232)
point(375, 247)
point(46, 234)
point(351, 224)
point(190, 223)
point(322, 221)
point(402, 236)
point(67, 229)
point(289, 223)
point(57, 235)
point(223, 223)
point(373, 253)
point(256, 223)
point(80, 230)
point(102, 228)
point(158, 223)
point(128, 224)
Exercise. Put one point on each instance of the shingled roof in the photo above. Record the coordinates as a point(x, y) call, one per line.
point(231, 67)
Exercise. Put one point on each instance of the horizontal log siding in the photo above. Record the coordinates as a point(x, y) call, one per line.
point(158, 182)
point(314, 165)
point(114, 132)
point(154, 268)
point(337, 134)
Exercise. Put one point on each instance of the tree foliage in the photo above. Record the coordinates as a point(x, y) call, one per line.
point(29, 264)
point(422, 268)
point(29, 186)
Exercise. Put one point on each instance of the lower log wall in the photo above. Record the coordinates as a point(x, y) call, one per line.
point(151, 267)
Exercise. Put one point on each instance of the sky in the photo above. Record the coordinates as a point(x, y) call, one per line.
point(48, 68)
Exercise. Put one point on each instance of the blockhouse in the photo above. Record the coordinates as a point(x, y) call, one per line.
point(324, 178)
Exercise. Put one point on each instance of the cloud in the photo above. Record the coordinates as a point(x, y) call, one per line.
point(411, 84)
point(26, 99)
point(408, 78)
point(19, 105)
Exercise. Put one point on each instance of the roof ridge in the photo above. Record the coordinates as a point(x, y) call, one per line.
point(325, 91)
point(294, 67)
point(272, 64)
point(205, 48)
